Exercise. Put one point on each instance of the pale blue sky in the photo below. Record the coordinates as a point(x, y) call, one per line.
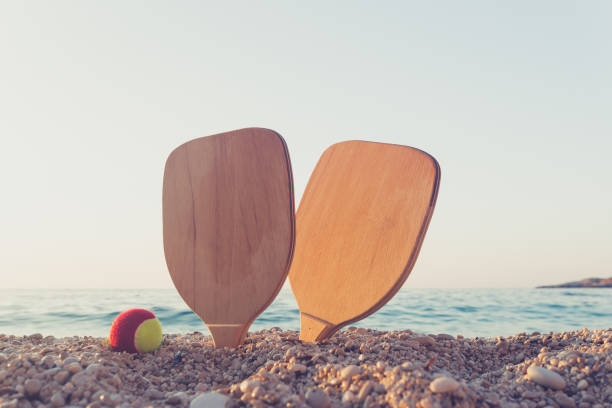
point(512, 98)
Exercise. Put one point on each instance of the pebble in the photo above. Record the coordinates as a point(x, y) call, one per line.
point(348, 397)
point(107, 399)
point(94, 369)
point(299, 368)
point(564, 401)
point(365, 390)
point(443, 384)
point(154, 393)
point(70, 360)
point(317, 398)
point(176, 398)
point(349, 372)
point(51, 371)
point(492, 398)
point(426, 403)
point(81, 378)
point(48, 361)
point(532, 394)
point(58, 399)
point(545, 377)
point(248, 385)
point(61, 377)
point(444, 336)
point(425, 340)
point(582, 385)
point(73, 368)
point(32, 388)
point(502, 346)
point(209, 400)
point(236, 364)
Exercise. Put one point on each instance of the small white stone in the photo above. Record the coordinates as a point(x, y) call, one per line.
point(426, 403)
point(348, 397)
point(209, 400)
point(582, 384)
point(545, 377)
point(349, 372)
point(317, 398)
point(248, 385)
point(443, 384)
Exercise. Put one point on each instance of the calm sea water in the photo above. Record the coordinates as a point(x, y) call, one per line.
point(470, 312)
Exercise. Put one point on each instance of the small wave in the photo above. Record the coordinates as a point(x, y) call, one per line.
point(160, 309)
point(573, 294)
point(466, 309)
point(598, 314)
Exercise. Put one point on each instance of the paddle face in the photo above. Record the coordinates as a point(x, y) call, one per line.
point(360, 225)
point(229, 226)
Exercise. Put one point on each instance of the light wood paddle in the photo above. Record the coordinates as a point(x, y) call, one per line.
point(360, 226)
point(229, 226)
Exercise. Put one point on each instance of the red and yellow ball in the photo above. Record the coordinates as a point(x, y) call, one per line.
point(136, 331)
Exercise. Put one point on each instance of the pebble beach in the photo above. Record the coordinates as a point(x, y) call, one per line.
point(357, 367)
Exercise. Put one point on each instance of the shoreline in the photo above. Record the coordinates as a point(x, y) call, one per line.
point(356, 367)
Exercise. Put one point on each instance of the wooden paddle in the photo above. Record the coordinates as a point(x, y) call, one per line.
point(229, 226)
point(360, 225)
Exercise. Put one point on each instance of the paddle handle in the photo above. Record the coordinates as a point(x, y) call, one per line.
point(228, 335)
point(313, 329)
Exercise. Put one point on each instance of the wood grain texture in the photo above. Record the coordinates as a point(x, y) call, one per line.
point(229, 226)
point(360, 226)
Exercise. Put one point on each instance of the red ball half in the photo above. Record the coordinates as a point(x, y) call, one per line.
point(123, 330)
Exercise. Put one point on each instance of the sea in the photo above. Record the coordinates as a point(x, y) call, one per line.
point(469, 312)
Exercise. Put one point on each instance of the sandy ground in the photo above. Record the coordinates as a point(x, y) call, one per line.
point(356, 368)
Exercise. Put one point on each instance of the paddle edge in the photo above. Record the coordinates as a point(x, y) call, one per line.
point(325, 331)
point(233, 334)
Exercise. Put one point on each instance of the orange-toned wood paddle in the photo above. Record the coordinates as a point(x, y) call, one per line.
point(360, 225)
point(229, 226)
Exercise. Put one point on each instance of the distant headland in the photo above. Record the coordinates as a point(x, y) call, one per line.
point(585, 283)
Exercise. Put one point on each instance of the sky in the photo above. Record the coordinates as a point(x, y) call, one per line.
point(512, 98)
